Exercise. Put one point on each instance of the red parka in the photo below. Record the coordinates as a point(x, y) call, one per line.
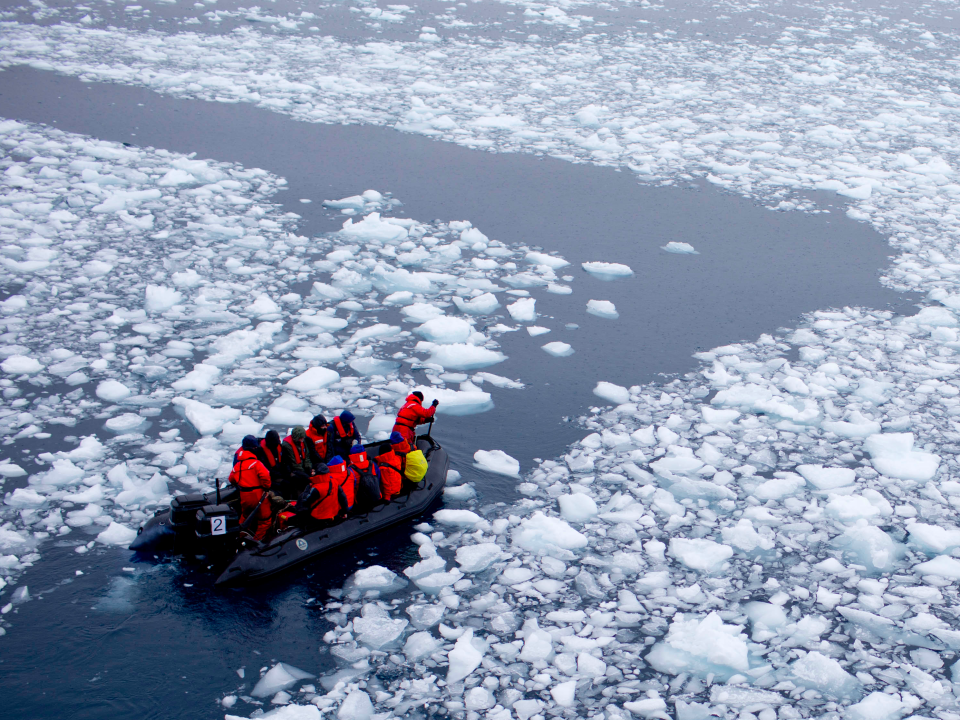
point(412, 413)
point(253, 480)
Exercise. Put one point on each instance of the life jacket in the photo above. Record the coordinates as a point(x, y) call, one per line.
point(391, 467)
point(299, 451)
point(252, 479)
point(323, 494)
point(319, 442)
point(410, 415)
point(272, 460)
point(345, 479)
point(368, 481)
point(342, 432)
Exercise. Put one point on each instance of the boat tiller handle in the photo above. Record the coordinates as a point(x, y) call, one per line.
point(218, 491)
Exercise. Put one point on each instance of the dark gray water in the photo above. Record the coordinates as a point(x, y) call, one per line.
point(165, 645)
point(758, 270)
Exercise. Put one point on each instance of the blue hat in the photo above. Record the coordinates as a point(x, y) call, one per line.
point(249, 442)
point(335, 460)
point(357, 449)
point(347, 416)
point(396, 438)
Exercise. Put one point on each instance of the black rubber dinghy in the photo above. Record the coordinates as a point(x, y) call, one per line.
point(207, 525)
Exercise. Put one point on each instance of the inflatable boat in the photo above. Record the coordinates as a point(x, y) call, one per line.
point(207, 526)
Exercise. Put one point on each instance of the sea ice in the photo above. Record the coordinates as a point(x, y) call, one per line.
point(540, 533)
point(606, 270)
point(280, 677)
point(700, 554)
point(819, 672)
point(375, 577)
point(603, 308)
point(483, 304)
point(577, 507)
point(523, 310)
point(465, 657)
point(497, 461)
point(551, 261)
point(701, 647)
point(477, 558)
point(464, 357)
point(893, 455)
point(206, 419)
point(615, 394)
point(445, 330)
point(21, 365)
point(160, 298)
point(313, 379)
point(558, 349)
point(117, 534)
point(680, 248)
point(113, 391)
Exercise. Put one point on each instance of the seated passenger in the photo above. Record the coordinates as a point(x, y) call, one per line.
point(253, 480)
point(412, 414)
point(271, 456)
point(367, 479)
point(297, 467)
point(320, 502)
point(317, 439)
point(342, 435)
point(346, 480)
point(392, 465)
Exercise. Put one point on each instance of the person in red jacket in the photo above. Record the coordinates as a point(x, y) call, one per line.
point(392, 464)
point(346, 479)
point(320, 501)
point(317, 433)
point(412, 414)
point(253, 480)
point(342, 434)
point(271, 456)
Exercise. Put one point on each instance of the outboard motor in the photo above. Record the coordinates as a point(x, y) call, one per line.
point(215, 528)
point(170, 529)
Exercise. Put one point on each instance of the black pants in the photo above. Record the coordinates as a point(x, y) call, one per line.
point(290, 487)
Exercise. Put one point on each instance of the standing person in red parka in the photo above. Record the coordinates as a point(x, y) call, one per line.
point(253, 480)
point(412, 414)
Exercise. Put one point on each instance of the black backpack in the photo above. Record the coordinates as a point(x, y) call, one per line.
point(368, 489)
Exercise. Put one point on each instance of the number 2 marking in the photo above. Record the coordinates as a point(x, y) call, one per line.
point(218, 525)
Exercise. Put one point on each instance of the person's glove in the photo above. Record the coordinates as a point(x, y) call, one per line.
point(435, 403)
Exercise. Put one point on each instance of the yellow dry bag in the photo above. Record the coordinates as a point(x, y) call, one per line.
point(416, 466)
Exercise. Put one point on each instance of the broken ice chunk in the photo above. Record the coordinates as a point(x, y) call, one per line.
point(497, 461)
point(477, 558)
point(603, 309)
point(700, 554)
point(701, 647)
point(616, 394)
point(607, 271)
point(540, 533)
point(558, 349)
point(680, 248)
point(819, 672)
point(893, 455)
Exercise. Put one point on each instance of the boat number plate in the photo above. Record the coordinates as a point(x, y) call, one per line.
point(218, 525)
point(301, 543)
